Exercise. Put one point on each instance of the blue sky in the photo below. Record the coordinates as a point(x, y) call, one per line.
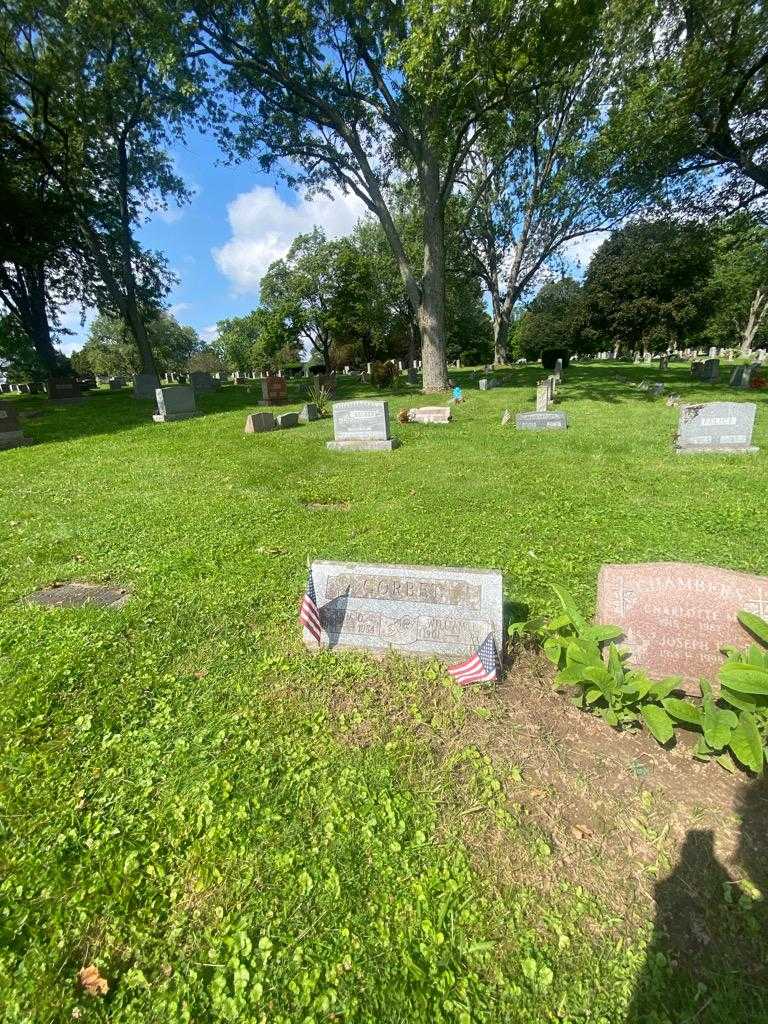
point(220, 244)
point(237, 223)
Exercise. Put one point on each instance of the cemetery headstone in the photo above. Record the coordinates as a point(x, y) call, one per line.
point(486, 383)
point(176, 403)
point(11, 434)
point(713, 352)
point(697, 370)
point(657, 390)
point(710, 371)
point(663, 362)
point(430, 414)
point(273, 390)
point(418, 610)
point(648, 357)
point(677, 616)
point(506, 417)
point(541, 421)
point(637, 357)
point(145, 385)
point(309, 413)
point(558, 368)
point(259, 422)
point(64, 389)
point(287, 419)
point(117, 384)
point(716, 427)
point(203, 381)
point(542, 397)
point(361, 426)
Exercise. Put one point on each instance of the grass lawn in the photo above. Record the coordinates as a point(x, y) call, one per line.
point(232, 829)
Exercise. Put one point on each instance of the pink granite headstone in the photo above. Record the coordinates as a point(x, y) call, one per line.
point(677, 616)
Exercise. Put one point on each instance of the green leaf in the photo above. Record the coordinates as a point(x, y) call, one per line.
point(755, 625)
point(744, 678)
point(664, 687)
point(569, 606)
point(601, 634)
point(553, 649)
point(660, 725)
point(702, 750)
point(744, 701)
point(609, 716)
point(614, 665)
point(746, 743)
point(726, 761)
point(601, 677)
point(592, 694)
point(718, 725)
point(683, 710)
point(570, 674)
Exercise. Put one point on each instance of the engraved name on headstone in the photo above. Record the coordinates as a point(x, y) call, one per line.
point(677, 616)
point(541, 421)
point(716, 427)
point(361, 426)
point(413, 609)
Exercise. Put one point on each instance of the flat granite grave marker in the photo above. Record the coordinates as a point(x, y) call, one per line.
point(676, 616)
point(75, 595)
point(430, 414)
point(541, 421)
point(413, 609)
point(361, 426)
point(259, 422)
point(11, 434)
point(177, 403)
point(716, 427)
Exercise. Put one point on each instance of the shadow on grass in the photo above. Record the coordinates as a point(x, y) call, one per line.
point(708, 958)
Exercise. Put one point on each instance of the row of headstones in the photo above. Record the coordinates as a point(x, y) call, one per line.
point(708, 371)
point(543, 418)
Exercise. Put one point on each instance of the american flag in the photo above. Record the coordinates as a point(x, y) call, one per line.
point(309, 616)
point(480, 667)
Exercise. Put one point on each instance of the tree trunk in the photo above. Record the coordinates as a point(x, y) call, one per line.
point(414, 347)
point(757, 313)
point(40, 329)
point(432, 306)
point(500, 336)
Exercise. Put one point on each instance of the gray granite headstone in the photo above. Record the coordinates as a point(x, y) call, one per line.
point(177, 403)
point(716, 427)
point(287, 419)
point(541, 421)
point(711, 371)
point(309, 413)
point(75, 595)
point(361, 426)
point(64, 389)
point(558, 368)
point(259, 422)
point(11, 434)
point(413, 609)
point(145, 385)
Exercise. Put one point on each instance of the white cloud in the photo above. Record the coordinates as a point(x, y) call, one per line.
point(69, 318)
point(178, 307)
point(579, 251)
point(264, 225)
point(209, 334)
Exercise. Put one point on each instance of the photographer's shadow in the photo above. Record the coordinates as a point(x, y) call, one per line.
point(708, 959)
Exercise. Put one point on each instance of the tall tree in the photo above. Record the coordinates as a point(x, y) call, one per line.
point(110, 349)
point(739, 285)
point(646, 286)
point(356, 94)
point(93, 96)
point(693, 91)
point(553, 319)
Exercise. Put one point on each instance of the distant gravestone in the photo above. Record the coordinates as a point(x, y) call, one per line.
point(361, 426)
point(416, 610)
point(485, 383)
point(116, 384)
point(716, 427)
point(710, 371)
point(259, 422)
point(287, 419)
point(430, 414)
point(657, 390)
point(663, 362)
point(541, 421)
point(203, 381)
point(676, 616)
point(697, 370)
point(558, 368)
point(506, 417)
point(273, 390)
point(11, 434)
point(309, 413)
point(713, 352)
point(145, 385)
point(177, 403)
point(637, 357)
point(64, 389)
point(542, 397)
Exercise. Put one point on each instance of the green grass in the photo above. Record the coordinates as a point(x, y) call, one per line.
point(186, 800)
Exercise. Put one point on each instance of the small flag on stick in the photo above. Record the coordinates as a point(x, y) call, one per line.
point(481, 667)
point(309, 616)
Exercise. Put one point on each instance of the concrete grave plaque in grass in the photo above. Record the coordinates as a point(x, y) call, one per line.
point(361, 426)
point(716, 427)
point(288, 419)
point(64, 389)
point(273, 390)
point(75, 595)
point(11, 434)
point(676, 616)
point(430, 414)
point(541, 421)
point(145, 385)
point(309, 413)
point(259, 423)
point(176, 403)
point(413, 609)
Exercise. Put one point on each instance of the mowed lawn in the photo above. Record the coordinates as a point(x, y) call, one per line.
point(232, 829)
